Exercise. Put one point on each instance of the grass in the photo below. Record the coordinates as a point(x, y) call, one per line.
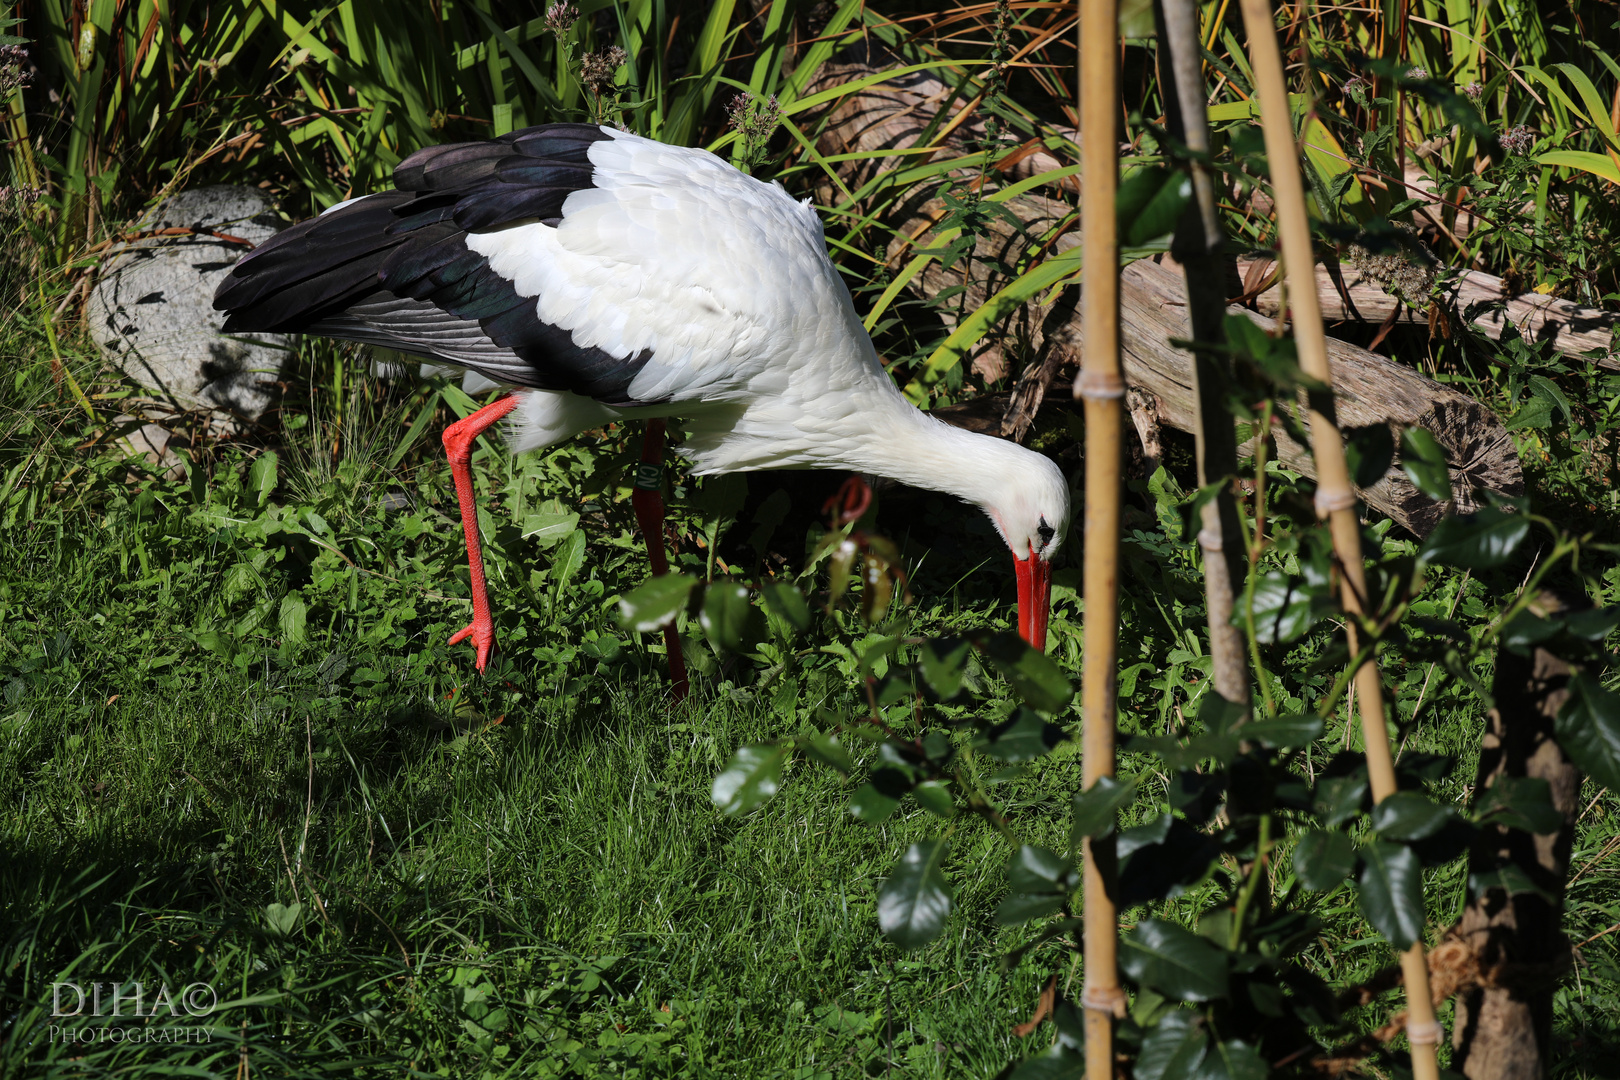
point(379, 862)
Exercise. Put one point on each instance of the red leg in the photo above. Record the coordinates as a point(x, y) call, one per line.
point(458, 440)
point(648, 499)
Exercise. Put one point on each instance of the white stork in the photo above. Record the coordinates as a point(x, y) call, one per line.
point(610, 277)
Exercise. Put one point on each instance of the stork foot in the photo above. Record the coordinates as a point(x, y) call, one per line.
point(483, 638)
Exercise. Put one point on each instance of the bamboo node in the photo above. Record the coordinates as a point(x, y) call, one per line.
point(1424, 1034)
point(1210, 540)
point(1330, 499)
point(1108, 999)
point(1100, 386)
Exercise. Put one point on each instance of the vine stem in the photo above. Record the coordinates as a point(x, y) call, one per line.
point(1102, 390)
point(1335, 499)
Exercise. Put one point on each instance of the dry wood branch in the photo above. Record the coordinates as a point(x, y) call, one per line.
point(1575, 330)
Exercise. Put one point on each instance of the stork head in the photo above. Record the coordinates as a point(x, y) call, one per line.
point(1031, 512)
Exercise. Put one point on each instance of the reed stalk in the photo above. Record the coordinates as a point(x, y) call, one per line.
point(1102, 391)
point(1335, 499)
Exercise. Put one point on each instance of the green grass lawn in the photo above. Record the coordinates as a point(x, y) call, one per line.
point(235, 750)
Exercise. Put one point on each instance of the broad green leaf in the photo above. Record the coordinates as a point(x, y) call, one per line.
point(941, 661)
point(1023, 738)
point(1338, 799)
point(1096, 809)
point(1285, 732)
point(1512, 879)
point(751, 777)
point(1034, 869)
point(936, 798)
point(1285, 606)
point(1176, 962)
point(1368, 452)
point(1017, 908)
point(650, 605)
point(283, 919)
point(1234, 1060)
point(1173, 1048)
point(262, 477)
point(1149, 203)
point(568, 559)
point(916, 899)
point(1588, 728)
point(787, 603)
point(1599, 165)
point(1324, 859)
point(1520, 802)
point(1391, 892)
point(291, 618)
point(1034, 676)
point(725, 614)
point(550, 527)
point(1406, 815)
point(1424, 462)
point(1057, 1062)
point(829, 751)
point(872, 806)
point(1476, 541)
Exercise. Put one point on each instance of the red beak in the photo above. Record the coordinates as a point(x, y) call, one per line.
point(1034, 598)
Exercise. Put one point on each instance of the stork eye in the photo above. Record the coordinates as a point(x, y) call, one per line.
point(1046, 533)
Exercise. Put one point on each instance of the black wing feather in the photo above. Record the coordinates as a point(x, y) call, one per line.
point(394, 268)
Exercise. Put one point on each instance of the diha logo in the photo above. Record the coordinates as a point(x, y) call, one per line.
point(194, 999)
point(132, 1001)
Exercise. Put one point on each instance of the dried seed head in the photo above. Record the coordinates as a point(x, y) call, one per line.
point(1406, 269)
point(1518, 139)
point(596, 70)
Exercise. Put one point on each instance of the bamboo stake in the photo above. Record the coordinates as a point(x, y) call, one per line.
point(1197, 247)
point(1335, 499)
point(1102, 390)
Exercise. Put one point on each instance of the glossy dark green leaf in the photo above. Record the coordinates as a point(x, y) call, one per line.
point(751, 777)
point(1152, 831)
point(916, 899)
point(1173, 1048)
point(1176, 962)
point(1219, 715)
point(1324, 859)
point(1017, 908)
point(1513, 880)
point(1056, 1062)
point(1286, 606)
point(1368, 452)
point(1036, 869)
point(787, 603)
point(872, 806)
point(1479, 541)
point(1391, 892)
point(1525, 631)
point(1096, 808)
point(1593, 625)
point(1159, 215)
point(650, 605)
point(1424, 462)
point(1338, 799)
point(1165, 857)
point(1406, 815)
point(1520, 802)
point(1588, 728)
point(829, 751)
point(725, 614)
point(1233, 1060)
point(941, 661)
point(935, 797)
point(1284, 732)
point(1023, 738)
point(1034, 676)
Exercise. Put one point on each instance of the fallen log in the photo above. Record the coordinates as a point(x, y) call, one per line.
point(1372, 388)
point(1574, 330)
